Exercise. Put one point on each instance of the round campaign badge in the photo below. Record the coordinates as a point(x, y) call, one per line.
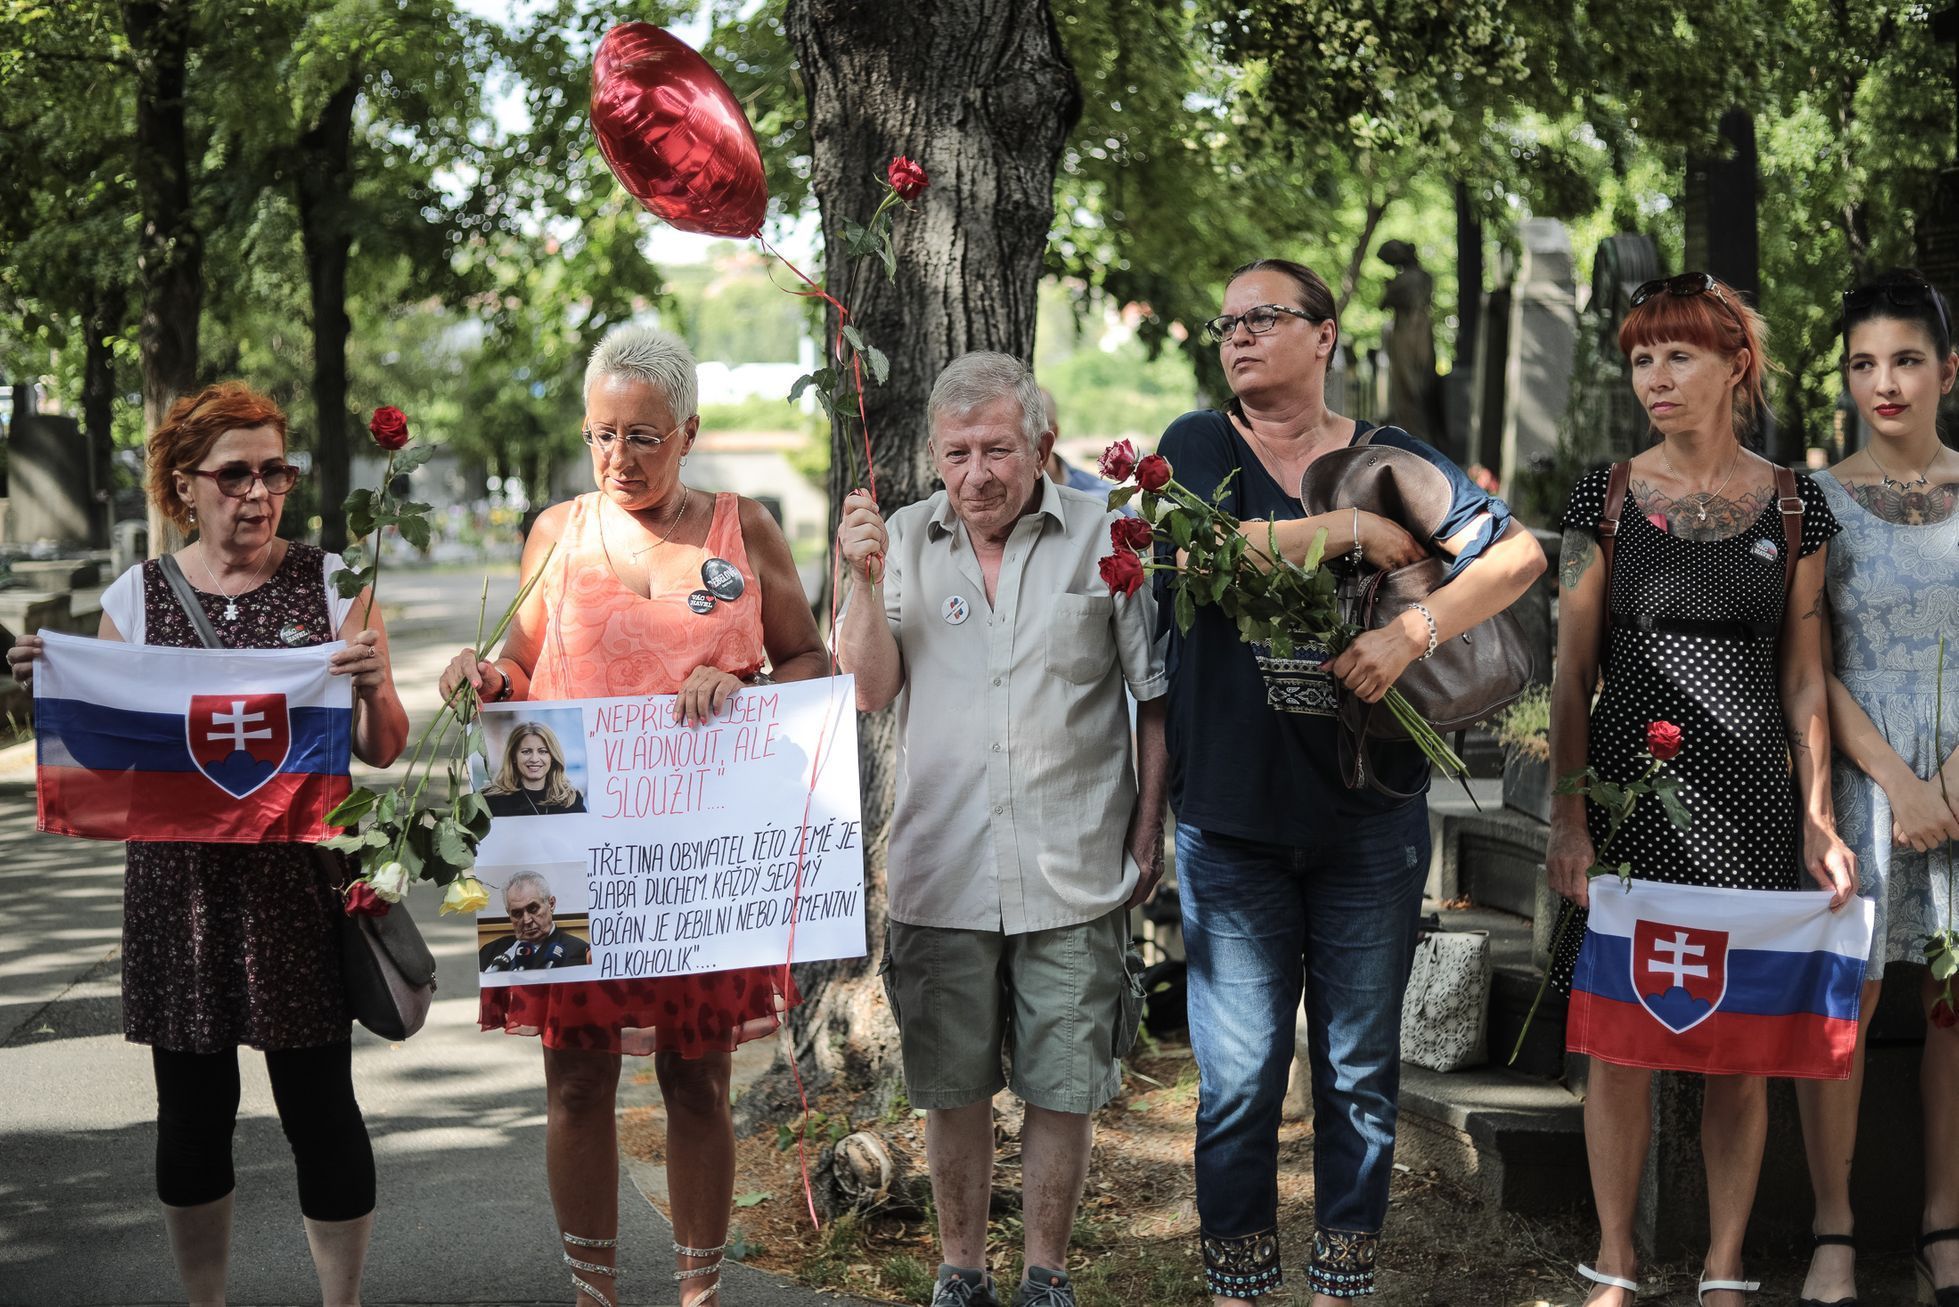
point(701, 602)
point(294, 635)
point(722, 579)
point(956, 610)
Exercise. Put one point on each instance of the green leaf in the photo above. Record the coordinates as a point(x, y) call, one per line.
point(473, 811)
point(452, 846)
point(412, 457)
point(803, 383)
point(880, 366)
point(1944, 966)
point(360, 516)
point(415, 530)
point(850, 334)
point(1179, 523)
point(349, 844)
point(358, 803)
point(1120, 496)
point(1676, 811)
point(1315, 550)
point(753, 1199)
point(1186, 608)
point(1608, 795)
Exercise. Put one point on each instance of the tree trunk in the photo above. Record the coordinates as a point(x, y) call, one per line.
point(325, 183)
point(169, 248)
point(980, 93)
point(102, 322)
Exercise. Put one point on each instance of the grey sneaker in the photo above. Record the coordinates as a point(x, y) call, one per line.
point(1045, 1288)
point(955, 1291)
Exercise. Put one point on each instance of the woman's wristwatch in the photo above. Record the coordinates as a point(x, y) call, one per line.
point(503, 694)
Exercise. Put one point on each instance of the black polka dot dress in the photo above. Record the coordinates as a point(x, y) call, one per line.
point(1720, 687)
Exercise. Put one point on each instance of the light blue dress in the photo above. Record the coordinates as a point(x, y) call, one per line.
point(1893, 591)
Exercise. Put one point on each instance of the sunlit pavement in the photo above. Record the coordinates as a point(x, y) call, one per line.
point(457, 1116)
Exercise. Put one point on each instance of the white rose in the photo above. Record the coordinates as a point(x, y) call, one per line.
point(390, 881)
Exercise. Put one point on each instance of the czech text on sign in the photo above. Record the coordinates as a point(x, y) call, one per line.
point(625, 844)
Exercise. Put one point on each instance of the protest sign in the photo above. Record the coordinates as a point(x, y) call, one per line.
point(625, 845)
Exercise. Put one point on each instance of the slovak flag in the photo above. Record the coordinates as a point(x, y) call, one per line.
point(1720, 981)
point(207, 746)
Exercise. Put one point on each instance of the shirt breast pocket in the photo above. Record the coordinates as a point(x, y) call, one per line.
point(1081, 637)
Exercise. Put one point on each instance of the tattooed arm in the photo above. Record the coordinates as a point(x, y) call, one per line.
point(1581, 622)
point(1805, 709)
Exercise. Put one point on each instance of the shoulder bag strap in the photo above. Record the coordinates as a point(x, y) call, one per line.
point(1790, 501)
point(1618, 491)
point(187, 598)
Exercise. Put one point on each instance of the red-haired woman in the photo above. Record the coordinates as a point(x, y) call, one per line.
point(1705, 629)
point(229, 944)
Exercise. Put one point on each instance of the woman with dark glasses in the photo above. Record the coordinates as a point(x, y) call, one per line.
point(1713, 623)
point(230, 944)
point(1893, 591)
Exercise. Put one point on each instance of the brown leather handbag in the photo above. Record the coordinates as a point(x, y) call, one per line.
point(1470, 677)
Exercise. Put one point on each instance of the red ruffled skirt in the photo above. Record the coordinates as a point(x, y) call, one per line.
point(711, 1012)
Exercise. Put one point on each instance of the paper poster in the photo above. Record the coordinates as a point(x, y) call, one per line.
point(625, 845)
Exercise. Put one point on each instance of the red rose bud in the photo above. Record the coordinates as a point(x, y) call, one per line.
point(1663, 740)
point(1123, 572)
point(1118, 461)
point(1131, 533)
point(1153, 473)
point(906, 178)
point(389, 426)
point(1943, 1016)
point(362, 901)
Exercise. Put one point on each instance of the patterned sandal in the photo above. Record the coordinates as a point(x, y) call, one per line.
point(681, 1277)
point(583, 1285)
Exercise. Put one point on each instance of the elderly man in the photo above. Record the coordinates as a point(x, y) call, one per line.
point(1022, 833)
point(540, 943)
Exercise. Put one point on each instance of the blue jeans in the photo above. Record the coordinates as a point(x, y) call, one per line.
point(1261, 923)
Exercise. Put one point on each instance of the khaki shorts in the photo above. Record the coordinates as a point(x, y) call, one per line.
point(1061, 1006)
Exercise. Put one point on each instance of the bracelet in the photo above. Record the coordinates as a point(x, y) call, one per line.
point(1354, 555)
point(509, 685)
point(1428, 617)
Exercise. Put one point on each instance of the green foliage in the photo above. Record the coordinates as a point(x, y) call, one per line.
point(1525, 726)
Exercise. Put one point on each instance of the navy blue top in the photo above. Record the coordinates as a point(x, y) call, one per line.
point(1239, 765)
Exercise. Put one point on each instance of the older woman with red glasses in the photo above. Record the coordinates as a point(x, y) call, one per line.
point(648, 587)
point(229, 944)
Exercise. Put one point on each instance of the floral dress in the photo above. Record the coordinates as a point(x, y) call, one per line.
point(603, 639)
point(228, 944)
point(1894, 590)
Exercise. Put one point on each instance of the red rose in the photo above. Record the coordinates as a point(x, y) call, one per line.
point(362, 901)
point(1943, 1016)
point(1123, 572)
point(906, 178)
point(1118, 461)
point(1153, 473)
point(1131, 533)
point(1663, 740)
point(389, 426)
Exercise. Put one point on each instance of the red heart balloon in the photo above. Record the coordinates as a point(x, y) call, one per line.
point(674, 135)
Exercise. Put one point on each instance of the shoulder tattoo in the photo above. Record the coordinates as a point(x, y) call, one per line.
point(1576, 556)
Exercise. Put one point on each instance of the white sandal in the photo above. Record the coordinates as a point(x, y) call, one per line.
point(1609, 1281)
point(583, 1285)
point(1709, 1286)
point(681, 1277)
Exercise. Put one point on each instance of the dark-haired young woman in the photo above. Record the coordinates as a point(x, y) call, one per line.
point(1703, 629)
point(1893, 591)
point(1290, 882)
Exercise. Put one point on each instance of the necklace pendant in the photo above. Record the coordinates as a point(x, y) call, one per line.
point(231, 610)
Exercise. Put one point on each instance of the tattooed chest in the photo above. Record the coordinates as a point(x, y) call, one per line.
point(1920, 505)
point(1701, 515)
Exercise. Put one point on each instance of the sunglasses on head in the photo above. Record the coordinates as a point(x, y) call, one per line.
point(1899, 294)
point(1687, 283)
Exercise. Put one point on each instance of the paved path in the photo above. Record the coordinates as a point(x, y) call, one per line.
point(457, 1116)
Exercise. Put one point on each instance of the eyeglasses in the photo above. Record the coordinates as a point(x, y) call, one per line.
point(637, 445)
point(1901, 294)
point(1686, 284)
point(236, 481)
point(1258, 321)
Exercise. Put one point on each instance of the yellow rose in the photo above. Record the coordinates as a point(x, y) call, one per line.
point(466, 894)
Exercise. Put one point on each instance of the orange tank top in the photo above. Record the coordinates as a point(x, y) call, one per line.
point(604, 639)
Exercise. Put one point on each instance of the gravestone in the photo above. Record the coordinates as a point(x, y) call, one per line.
point(1537, 361)
point(1614, 425)
point(1487, 386)
point(50, 496)
point(1414, 397)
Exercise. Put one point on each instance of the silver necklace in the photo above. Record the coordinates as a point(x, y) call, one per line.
point(1900, 486)
point(679, 511)
point(1704, 497)
point(230, 613)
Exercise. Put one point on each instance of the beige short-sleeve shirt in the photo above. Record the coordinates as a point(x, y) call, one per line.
point(1015, 779)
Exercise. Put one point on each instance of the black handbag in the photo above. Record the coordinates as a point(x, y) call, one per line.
point(386, 970)
point(1469, 678)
